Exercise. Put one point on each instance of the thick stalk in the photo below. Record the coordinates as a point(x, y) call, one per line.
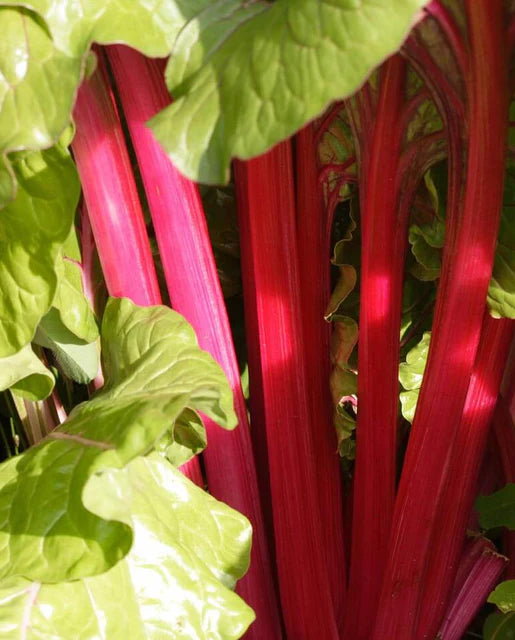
point(313, 246)
point(384, 238)
point(468, 449)
point(267, 210)
point(466, 270)
point(479, 570)
point(112, 202)
point(194, 289)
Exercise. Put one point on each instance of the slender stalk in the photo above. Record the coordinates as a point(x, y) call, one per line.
point(313, 246)
point(478, 572)
point(112, 202)
point(460, 492)
point(194, 289)
point(111, 195)
point(384, 239)
point(466, 271)
point(267, 212)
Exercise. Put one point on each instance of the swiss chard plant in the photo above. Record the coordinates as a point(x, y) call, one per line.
point(277, 403)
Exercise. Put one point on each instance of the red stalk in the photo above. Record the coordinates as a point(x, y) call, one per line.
point(479, 570)
point(195, 292)
point(111, 194)
point(112, 202)
point(267, 212)
point(466, 270)
point(313, 246)
point(384, 238)
point(460, 492)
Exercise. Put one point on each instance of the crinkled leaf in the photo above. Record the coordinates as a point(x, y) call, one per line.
point(246, 75)
point(497, 509)
point(499, 627)
point(26, 375)
point(504, 596)
point(154, 369)
point(33, 229)
point(78, 360)
point(411, 373)
point(344, 286)
point(73, 306)
point(175, 582)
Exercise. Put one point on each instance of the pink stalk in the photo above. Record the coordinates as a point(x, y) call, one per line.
point(267, 212)
point(468, 449)
point(384, 238)
point(466, 271)
point(112, 202)
point(479, 570)
point(313, 246)
point(195, 292)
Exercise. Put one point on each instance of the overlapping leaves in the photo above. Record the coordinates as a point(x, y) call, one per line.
point(175, 582)
point(154, 370)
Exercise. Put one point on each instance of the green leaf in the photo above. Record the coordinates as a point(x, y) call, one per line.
point(499, 627)
point(77, 359)
point(189, 438)
point(175, 582)
point(153, 370)
point(33, 229)
point(26, 375)
point(37, 88)
point(504, 596)
point(501, 291)
point(73, 306)
point(411, 374)
point(497, 509)
point(246, 75)
point(344, 286)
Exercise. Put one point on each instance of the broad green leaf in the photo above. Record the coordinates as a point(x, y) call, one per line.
point(175, 582)
point(154, 369)
point(499, 627)
point(37, 87)
point(33, 229)
point(246, 75)
point(504, 596)
point(43, 53)
point(411, 373)
point(24, 374)
point(497, 509)
point(79, 360)
point(74, 309)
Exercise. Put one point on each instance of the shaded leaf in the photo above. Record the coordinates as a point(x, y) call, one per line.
point(497, 509)
point(499, 627)
point(25, 375)
point(77, 359)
